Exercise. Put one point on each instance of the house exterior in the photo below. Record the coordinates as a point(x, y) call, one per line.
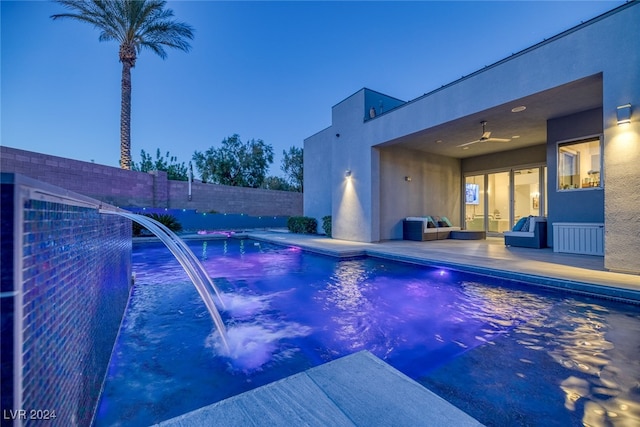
point(564, 143)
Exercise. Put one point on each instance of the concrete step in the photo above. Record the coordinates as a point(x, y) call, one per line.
point(356, 390)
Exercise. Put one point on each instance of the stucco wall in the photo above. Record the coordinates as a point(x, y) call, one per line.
point(622, 198)
point(433, 189)
point(317, 175)
point(129, 188)
point(580, 205)
point(354, 199)
point(528, 156)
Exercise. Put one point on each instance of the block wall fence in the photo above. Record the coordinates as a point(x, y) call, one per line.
point(125, 188)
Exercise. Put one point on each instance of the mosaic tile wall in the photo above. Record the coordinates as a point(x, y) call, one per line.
point(76, 269)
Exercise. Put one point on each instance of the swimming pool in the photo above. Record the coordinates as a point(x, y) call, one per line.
point(505, 353)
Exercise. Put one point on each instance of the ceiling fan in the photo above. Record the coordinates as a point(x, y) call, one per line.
point(486, 137)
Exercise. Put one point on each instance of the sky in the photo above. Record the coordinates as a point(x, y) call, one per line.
point(264, 70)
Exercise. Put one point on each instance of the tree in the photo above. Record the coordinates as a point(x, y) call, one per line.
point(175, 171)
point(134, 24)
point(242, 164)
point(292, 166)
point(276, 183)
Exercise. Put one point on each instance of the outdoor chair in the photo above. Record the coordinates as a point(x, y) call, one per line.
point(529, 232)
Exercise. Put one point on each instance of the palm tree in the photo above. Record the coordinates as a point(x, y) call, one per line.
point(135, 24)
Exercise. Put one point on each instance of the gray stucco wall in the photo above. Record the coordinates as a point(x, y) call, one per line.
point(529, 156)
point(434, 188)
point(317, 175)
point(580, 205)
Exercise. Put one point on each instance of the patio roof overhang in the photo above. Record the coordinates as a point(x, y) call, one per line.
point(525, 128)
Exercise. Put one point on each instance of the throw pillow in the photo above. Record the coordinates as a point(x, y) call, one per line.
point(519, 224)
point(525, 224)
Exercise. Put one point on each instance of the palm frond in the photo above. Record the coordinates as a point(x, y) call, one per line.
point(141, 23)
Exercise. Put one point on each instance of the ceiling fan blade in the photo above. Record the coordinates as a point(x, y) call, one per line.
point(485, 135)
point(497, 140)
point(468, 143)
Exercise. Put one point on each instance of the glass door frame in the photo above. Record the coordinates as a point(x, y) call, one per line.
point(542, 196)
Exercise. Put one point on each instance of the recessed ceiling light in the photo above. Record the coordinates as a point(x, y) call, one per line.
point(515, 137)
point(439, 141)
point(518, 109)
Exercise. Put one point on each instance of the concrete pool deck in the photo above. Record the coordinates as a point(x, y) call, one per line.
point(543, 267)
point(355, 390)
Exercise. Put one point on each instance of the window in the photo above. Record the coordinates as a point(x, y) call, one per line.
point(579, 164)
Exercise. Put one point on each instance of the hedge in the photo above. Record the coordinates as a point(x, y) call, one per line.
point(302, 224)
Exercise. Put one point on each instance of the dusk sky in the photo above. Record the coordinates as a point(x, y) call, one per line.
point(264, 70)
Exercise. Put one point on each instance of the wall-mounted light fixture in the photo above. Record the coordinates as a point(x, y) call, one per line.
point(407, 178)
point(624, 114)
point(347, 174)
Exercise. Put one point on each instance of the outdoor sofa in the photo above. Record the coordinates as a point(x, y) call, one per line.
point(423, 228)
point(529, 232)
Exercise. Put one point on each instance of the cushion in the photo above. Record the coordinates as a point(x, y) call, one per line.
point(442, 224)
point(446, 221)
point(526, 224)
point(519, 224)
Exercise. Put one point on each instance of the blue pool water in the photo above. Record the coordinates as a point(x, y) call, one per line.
point(506, 353)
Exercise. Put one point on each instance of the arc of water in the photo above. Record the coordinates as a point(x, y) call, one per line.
point(187, 260)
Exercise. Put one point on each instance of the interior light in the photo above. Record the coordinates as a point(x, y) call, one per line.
point(624, 114)
point(518, 109)
point(347, 174)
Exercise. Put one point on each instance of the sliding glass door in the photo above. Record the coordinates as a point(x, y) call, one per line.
point(495, 201)
point(526, 201)
point(498, 192)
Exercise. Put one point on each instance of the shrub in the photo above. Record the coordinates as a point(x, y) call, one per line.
point(326, 225)
point(168, 221)
point(302, 224)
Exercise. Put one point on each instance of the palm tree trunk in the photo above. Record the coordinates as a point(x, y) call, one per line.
point(125, 117)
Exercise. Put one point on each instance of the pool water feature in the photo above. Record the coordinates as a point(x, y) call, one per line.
point(505, 353)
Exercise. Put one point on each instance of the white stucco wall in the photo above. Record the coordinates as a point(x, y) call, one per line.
point(622, 143)
point(353, 197)
point(434, 188)
point(317, 173)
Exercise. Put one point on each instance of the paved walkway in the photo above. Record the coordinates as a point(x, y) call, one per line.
point(581, 273)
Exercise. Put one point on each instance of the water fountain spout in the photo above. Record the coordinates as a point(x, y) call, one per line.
point(189, 262)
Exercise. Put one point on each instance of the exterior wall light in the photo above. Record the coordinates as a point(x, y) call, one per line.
point(624, 114)
point(407, 178)
point(347, 174)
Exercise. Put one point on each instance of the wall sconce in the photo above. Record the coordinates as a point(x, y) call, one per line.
point(407, 178)
point(624, 114)
point(347, 174)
